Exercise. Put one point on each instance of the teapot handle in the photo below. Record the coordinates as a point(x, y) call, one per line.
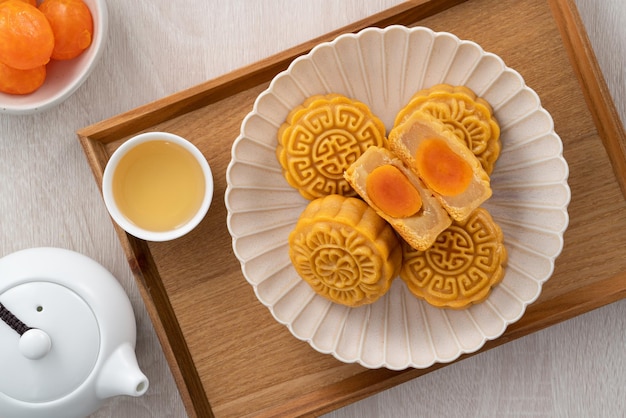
point(13, 321)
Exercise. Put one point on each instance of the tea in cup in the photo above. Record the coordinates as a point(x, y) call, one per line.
point(157, 186)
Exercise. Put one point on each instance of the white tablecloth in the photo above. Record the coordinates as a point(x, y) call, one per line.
point(156, 48)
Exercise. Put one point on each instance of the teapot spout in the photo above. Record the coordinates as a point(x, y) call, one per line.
point(120, 375)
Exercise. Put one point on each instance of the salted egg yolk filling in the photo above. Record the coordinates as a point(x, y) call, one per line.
point(441, 169)
point(392, 192)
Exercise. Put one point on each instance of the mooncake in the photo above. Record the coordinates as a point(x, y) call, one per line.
point(344, 250)
point(321, 138)
point(398, 196)
point(466, 261)
point(445, 165)
point(469, 117)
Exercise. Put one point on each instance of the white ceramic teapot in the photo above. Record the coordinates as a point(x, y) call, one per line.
point(67, 336)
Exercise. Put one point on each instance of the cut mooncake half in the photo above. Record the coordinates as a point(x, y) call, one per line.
point(468, 116)
point(466, 261)
point(398, 196)
point(344, 250)
point(445, 165)
point(321, 138)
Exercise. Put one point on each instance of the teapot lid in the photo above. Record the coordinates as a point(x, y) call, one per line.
point(57, 353)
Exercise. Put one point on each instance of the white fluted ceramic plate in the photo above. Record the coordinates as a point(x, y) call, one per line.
point(384, 68)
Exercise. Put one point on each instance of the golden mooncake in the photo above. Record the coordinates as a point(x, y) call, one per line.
point(398, 196)
point(321, 138)
point(344, 250)
point(445, 165)
point(466, 261)
point(469, 117)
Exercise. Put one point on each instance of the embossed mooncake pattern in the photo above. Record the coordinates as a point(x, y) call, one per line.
point(344, 250)
point(469, 117)
point(461, 267)
point(321, 138)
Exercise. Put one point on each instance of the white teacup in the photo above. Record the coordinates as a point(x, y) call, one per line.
point(157, 186)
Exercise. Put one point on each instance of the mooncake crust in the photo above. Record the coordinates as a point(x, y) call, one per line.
point(345, 251)
point(321, 138)
point(463, 265)
point(468, 116)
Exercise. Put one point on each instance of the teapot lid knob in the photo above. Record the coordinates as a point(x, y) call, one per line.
point(34, 344)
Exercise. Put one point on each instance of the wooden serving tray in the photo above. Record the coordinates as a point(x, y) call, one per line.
point(229, 357)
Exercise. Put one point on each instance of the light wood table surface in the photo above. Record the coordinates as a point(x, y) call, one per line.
point(49, 198)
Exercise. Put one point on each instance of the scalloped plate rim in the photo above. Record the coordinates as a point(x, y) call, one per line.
point(563, 206)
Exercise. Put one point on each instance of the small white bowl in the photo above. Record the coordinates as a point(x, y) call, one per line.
point(122, 220)
point(63, 78)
